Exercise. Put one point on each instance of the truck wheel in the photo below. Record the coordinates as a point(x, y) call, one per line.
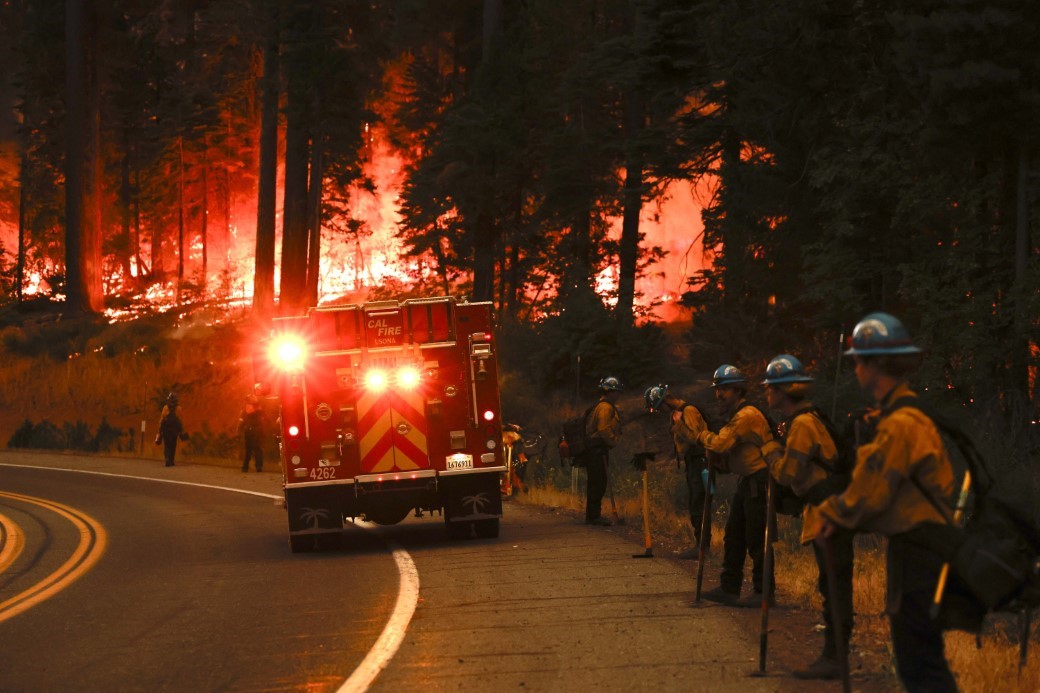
point(486, 529)
point(459, 530)
point(330, 541)
point(298, 544)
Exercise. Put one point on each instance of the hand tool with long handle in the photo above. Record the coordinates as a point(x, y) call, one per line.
point(618, 520)
point(702, 549)
point(648, 545)
point(767, 573)
point(944, 574)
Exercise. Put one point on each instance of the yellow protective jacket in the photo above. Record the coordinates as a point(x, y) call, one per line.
point(882, 496)
point(604, 423)
point(794, 462)
point(797, 461)
point(740, 440)
point(687, 424)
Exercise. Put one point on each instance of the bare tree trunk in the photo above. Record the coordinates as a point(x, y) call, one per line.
point(632, 194)
point(314, 210)
point(628, 249)
point(205, 211)
point(228, 197)
point(294, 209)
point(142, 270)
point(180, 215)
point(23, 201)
point(85, 292)
point(484, 228)
point(124, 209)
point(1020, 292)
point(263, 274)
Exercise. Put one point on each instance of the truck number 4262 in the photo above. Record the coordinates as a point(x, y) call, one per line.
point(323, 473)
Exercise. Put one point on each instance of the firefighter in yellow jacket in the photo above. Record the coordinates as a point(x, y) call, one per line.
point(603, 429)
point(687, 422)
point(902, 480)
point(807, 462)
point(739, 443)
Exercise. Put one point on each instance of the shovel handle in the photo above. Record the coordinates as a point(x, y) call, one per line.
point(646, 511)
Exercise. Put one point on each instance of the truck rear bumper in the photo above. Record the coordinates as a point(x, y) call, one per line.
point(463, 494)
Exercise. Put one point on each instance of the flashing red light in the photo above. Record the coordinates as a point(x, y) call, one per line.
point(288, 353)
point(489, 415)
point(408, 377)
point(294, 431)
point(375, 380)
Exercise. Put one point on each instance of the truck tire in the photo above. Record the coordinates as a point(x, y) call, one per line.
point(327, 542)
point(301, 544)
point(486, 529)
point(459, 530)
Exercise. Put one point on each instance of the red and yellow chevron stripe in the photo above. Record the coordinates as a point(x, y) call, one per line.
point(383, 447)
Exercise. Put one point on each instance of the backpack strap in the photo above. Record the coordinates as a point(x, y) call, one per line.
point(769, 422)
point(828, 426)
point(964, 444)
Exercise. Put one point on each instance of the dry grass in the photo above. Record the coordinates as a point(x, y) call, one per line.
point(993, 667)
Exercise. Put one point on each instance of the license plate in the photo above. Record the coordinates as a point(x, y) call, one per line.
point(459, 462)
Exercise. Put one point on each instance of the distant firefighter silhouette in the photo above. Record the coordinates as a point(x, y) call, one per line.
point(170, 429)
point(251, 425)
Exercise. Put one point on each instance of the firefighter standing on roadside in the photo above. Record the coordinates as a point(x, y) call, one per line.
point(739, 443)
point(603, 429)
point(887, 494)
point(170, 429)
point(686, 423)
point(252, 425)
point(807, 462)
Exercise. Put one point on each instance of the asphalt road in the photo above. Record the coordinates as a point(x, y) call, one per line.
point(196, 589)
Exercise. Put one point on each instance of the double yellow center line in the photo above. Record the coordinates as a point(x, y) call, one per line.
point(92, 542)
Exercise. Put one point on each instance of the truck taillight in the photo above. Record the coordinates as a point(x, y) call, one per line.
point(294, 431)
point(489, 415)
point(375, 380)
point(407, 377)
point(288, 353)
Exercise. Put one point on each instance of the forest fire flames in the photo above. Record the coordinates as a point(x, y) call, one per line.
point(365, 252)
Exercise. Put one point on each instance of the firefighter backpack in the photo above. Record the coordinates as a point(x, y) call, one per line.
point(574, 439)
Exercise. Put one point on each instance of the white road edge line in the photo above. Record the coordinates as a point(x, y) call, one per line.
point(389, 640)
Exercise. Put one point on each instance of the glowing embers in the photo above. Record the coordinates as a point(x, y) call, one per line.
point(405, 378)
point(288, 353)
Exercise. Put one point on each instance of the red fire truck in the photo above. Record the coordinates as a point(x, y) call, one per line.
point(386, 408)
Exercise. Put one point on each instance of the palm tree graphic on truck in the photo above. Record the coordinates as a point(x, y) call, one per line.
point(476, 504)
point(312, 516)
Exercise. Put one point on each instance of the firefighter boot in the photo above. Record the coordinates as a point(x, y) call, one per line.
point(754, 601)
point(823, 668)
point(722, 596)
